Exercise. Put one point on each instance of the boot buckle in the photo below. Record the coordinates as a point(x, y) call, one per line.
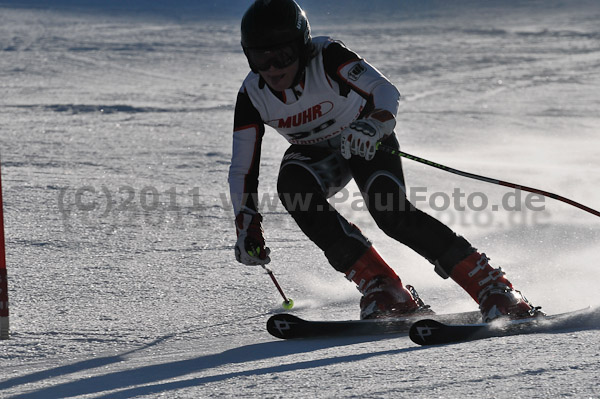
point(492, 276)
point(481, 264)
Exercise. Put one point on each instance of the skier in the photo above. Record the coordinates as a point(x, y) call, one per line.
point(334, 107)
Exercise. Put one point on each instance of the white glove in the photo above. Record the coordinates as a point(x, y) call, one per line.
point(250, 246)
point(361, 137)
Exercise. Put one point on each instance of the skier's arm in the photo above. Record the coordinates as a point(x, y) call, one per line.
point(248, 131)
point(378, 118)
point(351, 72)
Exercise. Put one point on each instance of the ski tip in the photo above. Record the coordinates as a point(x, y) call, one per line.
point(422, 330)
point(281, 325)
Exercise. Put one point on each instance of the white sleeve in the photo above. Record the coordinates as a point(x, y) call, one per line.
point(243, 172)
point(369, 82)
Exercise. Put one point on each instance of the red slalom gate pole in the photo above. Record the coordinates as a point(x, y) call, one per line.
point(3, 280)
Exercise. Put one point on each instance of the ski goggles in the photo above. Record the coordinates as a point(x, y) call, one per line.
point(280, 57)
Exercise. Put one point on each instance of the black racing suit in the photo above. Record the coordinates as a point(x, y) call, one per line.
point(313, 169)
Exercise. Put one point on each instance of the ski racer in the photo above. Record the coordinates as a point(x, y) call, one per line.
point(333, 107)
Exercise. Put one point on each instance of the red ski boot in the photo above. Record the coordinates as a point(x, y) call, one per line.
point(491, 290)
point(383, 292)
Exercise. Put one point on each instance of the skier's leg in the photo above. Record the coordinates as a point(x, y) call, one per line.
point(306, 178)
point(382, 183)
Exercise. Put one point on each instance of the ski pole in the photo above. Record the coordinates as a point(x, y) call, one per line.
point(288, 303)
point(399, 153)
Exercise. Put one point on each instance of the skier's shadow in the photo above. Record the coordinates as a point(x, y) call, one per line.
point(177, 369)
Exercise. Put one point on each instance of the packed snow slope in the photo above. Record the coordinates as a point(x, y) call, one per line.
point(115, 142)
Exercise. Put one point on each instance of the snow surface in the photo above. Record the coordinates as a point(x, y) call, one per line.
point(115, 143)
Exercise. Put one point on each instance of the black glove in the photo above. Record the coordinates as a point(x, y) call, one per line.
point(250, 246)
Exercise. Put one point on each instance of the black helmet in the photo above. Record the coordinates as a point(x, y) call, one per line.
point(273, 23)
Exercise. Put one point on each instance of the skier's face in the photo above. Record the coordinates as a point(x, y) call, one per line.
point(280, 79)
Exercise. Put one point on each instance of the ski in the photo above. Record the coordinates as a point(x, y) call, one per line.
point(287, 326)
point(435, 332)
